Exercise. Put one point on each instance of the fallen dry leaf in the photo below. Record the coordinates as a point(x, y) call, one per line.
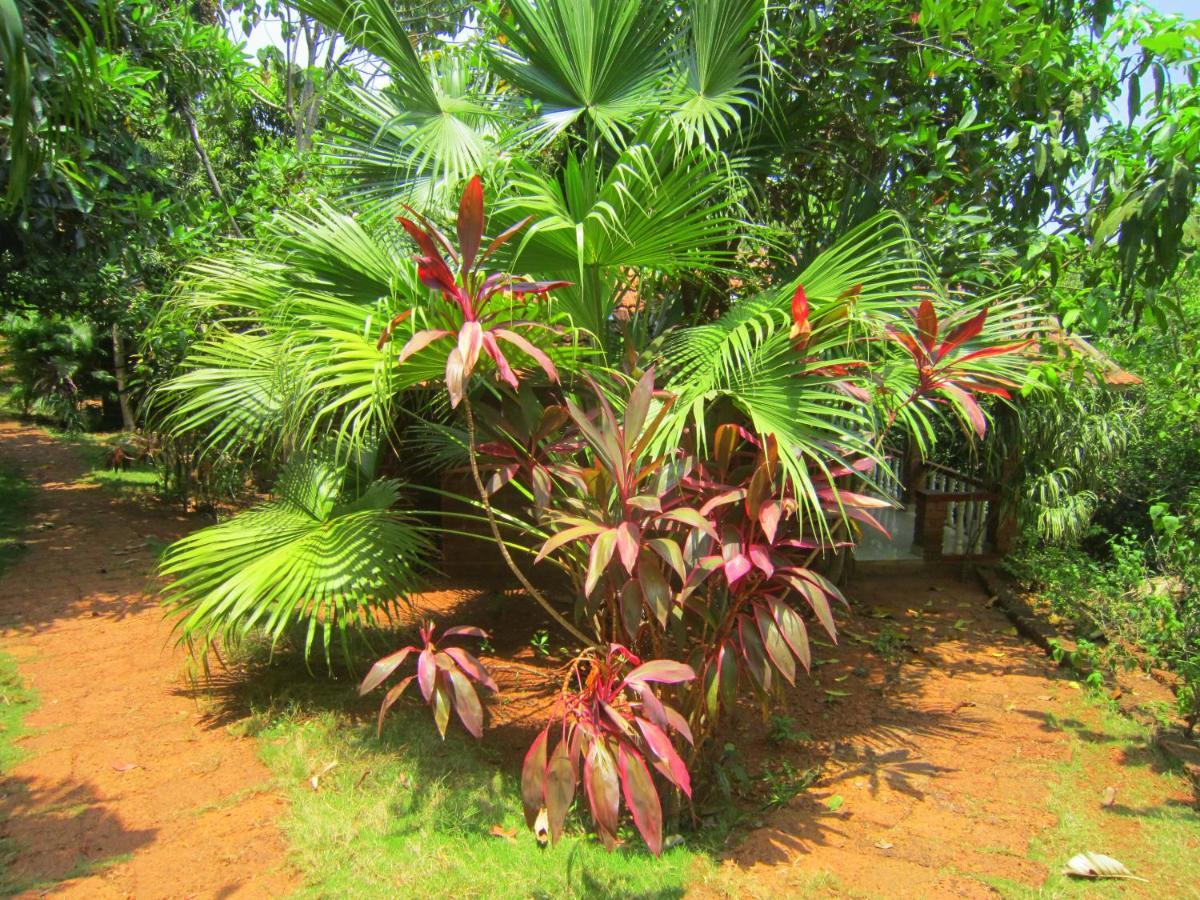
point(1097, 865)
point(315, 781)
point(509, 834)
point(884, 845)
point(125, 767)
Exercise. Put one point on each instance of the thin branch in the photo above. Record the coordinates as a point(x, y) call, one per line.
point(491, 517)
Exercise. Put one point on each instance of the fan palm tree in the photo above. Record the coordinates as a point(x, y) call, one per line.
point(612, 135)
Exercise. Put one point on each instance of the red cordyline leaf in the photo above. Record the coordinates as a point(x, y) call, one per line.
point(560, 789)
point(446, 677)
point(471, 298)
point(533, 778)
point(926, 319)
point(662, 671)
point(602, 782)
point(969, 407)
point(641, 797)
point(962, 333)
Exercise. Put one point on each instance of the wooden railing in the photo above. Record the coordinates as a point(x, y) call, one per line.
point(957, 516)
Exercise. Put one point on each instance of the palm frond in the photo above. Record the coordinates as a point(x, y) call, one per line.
point(605, 62)
point(322, 555)
point(720, 63)
point(650, 210)
point(388, 150)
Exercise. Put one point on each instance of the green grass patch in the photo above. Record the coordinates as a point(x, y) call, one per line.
point(1153, 826)
point(16, 500)
point(94, 449)
point(409, 814)
point(16, 700)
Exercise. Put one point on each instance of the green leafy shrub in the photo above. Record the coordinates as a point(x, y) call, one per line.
point(58, 364)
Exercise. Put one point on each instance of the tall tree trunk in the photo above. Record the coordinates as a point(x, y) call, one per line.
point(118, 342)
point(185, 110)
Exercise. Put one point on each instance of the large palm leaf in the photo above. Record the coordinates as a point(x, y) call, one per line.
point(605, 63)
point(323, 555)
point(651, 209)
point(720, 68)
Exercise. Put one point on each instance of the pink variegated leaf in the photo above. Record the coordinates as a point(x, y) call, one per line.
point(641, 797)
point(533, 778)
point(678, 724)
point(628, 544)
point(465, 631)
point(761, 557)
point(692, 518)
point(426, 670)
point(655, 589)
point(652, 707)
point(769, 514)
point(501, 477)
point(470, 343)
point(723, 499)
point(791, 625)
point(521, 288)
point(384, 667)
point(598, 559)
point(969, 407)
point(529, 350)
point(560, 789)
point(778, 650)
point(661, 746)
point(578, 532)
point(618, 721)
point(849, 498)
point(455, 377)
point(603, 790)
point(420, 341)
point(389, 700)
point(670, 553)
point(662, 671)
point(472, 666)
point(466, 703)
point(503, 370)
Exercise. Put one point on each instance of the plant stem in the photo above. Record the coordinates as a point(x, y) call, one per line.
point(491, 517)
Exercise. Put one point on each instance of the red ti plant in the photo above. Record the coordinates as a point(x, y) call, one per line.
point(609, 722)
point(446, 675)
point(471, 293)
point(943, 370)
point(700, 557)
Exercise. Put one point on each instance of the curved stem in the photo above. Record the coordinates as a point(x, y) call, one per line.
point(491, 517)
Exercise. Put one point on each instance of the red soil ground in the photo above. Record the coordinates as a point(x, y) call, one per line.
point(125, 791)
point(932, 771)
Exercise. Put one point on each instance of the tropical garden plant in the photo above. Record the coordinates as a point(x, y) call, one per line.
point(686, 407)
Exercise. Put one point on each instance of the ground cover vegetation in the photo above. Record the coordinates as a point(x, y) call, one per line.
point(654, 290)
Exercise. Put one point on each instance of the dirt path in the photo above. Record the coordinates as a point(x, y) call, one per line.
point(125, 792)
point(939, 773)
